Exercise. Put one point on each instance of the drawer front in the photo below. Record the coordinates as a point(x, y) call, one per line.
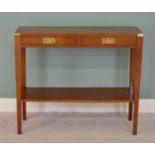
point(51, 41)
point(107, 40)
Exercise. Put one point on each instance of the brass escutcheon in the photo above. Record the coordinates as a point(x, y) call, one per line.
point(108, 40)
point(49, 40)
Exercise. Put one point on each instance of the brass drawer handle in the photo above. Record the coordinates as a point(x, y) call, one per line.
point(49, 40)
point(108, 40)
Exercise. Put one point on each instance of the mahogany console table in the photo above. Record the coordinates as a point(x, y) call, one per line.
point(78, 37)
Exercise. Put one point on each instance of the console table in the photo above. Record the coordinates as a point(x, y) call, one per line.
point(78, 37)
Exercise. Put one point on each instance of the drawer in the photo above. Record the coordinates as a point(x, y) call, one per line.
point(107, 40)
point(51, 41)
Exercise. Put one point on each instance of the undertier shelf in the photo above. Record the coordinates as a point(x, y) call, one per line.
point(62, 94)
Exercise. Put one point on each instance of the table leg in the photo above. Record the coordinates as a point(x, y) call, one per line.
point(24, 80)
point(137, 81)
point(18, 59)
point(131, 81)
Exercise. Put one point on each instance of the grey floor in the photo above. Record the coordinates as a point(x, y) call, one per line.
point(77, 127)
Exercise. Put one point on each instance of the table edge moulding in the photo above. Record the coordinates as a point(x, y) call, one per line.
point(78, 37)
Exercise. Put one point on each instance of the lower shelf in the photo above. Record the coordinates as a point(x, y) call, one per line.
point(75, 94)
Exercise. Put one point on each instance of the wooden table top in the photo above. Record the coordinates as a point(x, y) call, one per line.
point(26, 30)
